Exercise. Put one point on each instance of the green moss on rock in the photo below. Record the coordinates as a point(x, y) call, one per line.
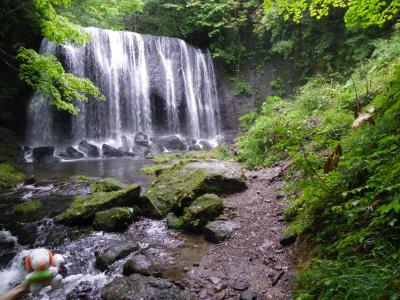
point(9, 176)
point(203, 210)
point(177, 188)
point(83, 208)
point(174, 222)
point(27, 211)
point(114, 219)
point(106, 185)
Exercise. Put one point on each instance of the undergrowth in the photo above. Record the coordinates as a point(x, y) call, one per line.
point(168, 160)
point(9, 177)
point(350, 209)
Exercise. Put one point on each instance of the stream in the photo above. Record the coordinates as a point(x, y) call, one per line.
point(169, 250)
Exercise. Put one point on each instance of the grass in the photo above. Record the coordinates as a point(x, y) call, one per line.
point(350, 213)
point(27, 211)
point(9, 176)
point(166, 161)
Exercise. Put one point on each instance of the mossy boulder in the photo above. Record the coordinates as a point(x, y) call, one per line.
point(9, 176)
point(173, 221)
point(27, 211)
point(106, 185)
point(114, 219)
point(84, 208)
point(177, 188)
point(203, 210)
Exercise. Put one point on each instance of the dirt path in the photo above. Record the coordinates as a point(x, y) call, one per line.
point(251, 264)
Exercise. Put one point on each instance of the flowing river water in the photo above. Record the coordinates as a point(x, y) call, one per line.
point(170, 251)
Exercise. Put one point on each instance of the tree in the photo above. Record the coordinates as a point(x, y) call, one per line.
point(108, 14)
point(359, 13)
point(45, 73)
point(225, 26)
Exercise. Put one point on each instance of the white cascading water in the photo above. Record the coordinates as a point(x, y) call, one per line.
point(137, 74)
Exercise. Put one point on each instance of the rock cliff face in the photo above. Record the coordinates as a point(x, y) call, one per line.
point(259, 80)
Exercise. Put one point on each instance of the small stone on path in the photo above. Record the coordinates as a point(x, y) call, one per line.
point(240, 285)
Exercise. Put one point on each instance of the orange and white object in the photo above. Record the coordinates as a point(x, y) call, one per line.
point(43, 270)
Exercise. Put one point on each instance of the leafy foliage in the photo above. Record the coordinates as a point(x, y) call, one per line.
point(362, 13)
point(242, 88)
point(101, 13)
point(353, 210)
point(55, 27)
point(9, 177)
point(221, 25)
point(47, 75)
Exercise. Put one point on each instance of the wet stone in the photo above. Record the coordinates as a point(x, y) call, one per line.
point(141, 264)
point(288, 240)
point(90, 149)
point(249, 295)
point(113, 253)
point(81, 291)
point(109, 151)
point(240, 285)
point(214, 279)
point(137, 287)
point(218, 231)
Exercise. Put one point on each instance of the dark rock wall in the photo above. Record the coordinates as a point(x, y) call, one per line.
point(233, 107)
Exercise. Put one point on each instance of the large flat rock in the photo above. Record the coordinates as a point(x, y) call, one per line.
point(179, 187)
point(84, 208)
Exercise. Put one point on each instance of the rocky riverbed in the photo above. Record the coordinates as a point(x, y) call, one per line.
point(238, 256)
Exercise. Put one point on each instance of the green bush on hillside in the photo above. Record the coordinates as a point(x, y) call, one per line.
point(350, 214)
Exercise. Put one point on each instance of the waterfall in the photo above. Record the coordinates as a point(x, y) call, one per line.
point(153, 85)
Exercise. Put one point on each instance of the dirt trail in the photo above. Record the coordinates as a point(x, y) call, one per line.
point(251, 264)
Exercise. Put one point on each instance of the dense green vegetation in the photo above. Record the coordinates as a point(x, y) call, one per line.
point(59, 21)
point(343, 178)
point(347, 198)
point(239, 31)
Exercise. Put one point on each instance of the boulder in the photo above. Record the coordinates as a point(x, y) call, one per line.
point(140, 264)
point(109, 151)
point(71, 153)
point(106, 185)
point(139, 287)
point(114, 219)
point(172, 142)
point(89, 149)
point(41, 154)
point(250, 295)
point(288, 239)
point(140, 151)
point(84, 207)
point(205, 145)
point(116, 251)
point(156, 148)
point(218, 231)
point(194, 147)
point(142, 139)
point(81, 291)
point(173, 221)
point(202, 211)
point(178, 187)
point(28, 211)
